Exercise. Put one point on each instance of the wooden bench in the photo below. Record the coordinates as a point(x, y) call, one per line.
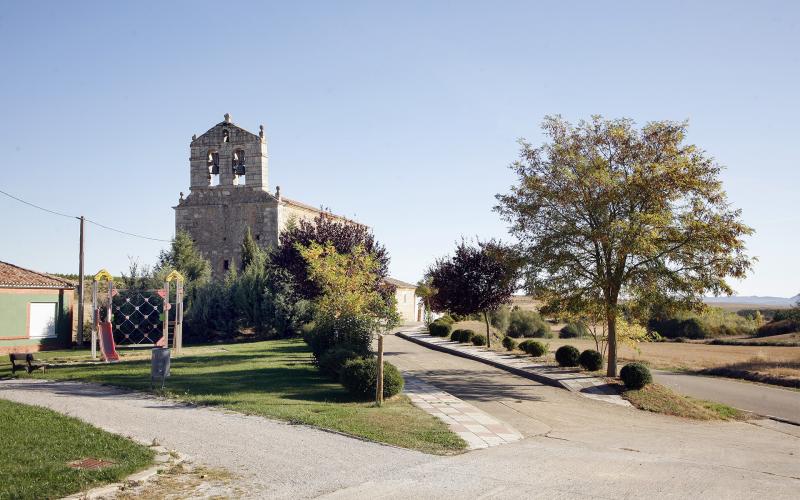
point(24, 362)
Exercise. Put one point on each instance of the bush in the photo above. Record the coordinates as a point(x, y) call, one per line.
point(347, 332)
point(591, 360)
point(527, 324)
point(358, 376)
point(534, 348)
point(778, 327)
point(461, 335)
point(567, 355)
point(446, 318)
point(439, 328)
point(479, 340)
point(332, 361)
point(573, 331)
point(712, 322)
point(635, 375)
point(501, 318)
point(509, 343)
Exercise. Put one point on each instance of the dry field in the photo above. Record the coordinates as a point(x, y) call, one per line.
point(759, 363)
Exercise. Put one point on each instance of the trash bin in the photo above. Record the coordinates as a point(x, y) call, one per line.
point(159, 365)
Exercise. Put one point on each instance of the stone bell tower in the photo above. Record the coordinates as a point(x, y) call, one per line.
point(227, 195)
point(228, 155)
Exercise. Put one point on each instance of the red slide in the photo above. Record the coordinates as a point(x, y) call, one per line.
point(107, 346)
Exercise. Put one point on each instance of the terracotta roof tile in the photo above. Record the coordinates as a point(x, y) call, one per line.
point(12, 276)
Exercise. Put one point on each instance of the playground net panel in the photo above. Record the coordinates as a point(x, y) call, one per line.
point(137, 316)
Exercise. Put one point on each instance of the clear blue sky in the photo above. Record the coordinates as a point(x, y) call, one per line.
point(404, 115)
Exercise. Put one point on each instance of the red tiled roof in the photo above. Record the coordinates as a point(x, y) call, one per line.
point(12, 276)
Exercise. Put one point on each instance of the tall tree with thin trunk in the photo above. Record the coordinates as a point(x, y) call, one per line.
point(606, 209)
point(477, 279)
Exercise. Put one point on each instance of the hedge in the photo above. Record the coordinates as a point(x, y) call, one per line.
point(635, 375)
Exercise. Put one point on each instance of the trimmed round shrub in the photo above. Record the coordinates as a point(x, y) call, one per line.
point(332, 361)
point(479, 340)
point(462, 335)
point(635, 375)
point(591, 360)
point(534, 348)
point(527, 324)
point(439, 328)
point(573, 331)
point(509, 343)
point(567, 355)
point(359, 376)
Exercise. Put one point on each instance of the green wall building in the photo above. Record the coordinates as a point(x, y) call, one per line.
point(35, 310)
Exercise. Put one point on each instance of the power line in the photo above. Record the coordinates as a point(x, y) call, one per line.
point(87, 220)
point(37, 206)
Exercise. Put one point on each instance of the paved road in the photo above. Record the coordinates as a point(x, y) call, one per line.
point(574, 447)
point(758, 398)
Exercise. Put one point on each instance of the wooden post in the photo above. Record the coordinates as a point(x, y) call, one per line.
point(80, 286)
point(379, 384)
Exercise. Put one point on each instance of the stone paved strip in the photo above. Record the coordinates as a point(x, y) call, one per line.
point(573, 380)
point(478, 429)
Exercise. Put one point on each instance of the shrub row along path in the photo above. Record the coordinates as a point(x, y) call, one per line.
point(762, 399)
point(573, 446)
point(572, 379)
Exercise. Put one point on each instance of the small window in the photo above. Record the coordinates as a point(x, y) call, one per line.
point(226, 137)
point(258, 237)
point(226, 265)
point(42, 320)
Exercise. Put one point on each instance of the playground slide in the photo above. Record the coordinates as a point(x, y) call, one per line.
point(107, 346)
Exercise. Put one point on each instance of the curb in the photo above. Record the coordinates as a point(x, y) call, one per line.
point(536, 377)
point(162, 459)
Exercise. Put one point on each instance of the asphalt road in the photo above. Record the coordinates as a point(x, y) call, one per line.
point(757, 398)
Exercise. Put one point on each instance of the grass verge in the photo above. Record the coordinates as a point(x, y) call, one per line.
point(276, 379)
point(659, 399)
point(37, 444)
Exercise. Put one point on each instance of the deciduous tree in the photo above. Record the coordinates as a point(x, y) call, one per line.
point(606, 209)
point(477, 279)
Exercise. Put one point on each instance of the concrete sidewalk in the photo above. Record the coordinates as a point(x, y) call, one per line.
point(477, 428)
point(572, 379)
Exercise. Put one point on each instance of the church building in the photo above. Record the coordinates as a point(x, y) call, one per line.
point(229, 192)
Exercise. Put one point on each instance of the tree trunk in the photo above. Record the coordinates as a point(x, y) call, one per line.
point(611, 316)
point(488, 334)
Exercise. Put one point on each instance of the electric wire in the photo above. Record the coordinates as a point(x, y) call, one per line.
point(109, 228)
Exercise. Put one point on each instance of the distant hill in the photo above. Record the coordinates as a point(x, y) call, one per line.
point(753, 300)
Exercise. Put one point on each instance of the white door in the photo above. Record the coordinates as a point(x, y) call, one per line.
point(43, 320)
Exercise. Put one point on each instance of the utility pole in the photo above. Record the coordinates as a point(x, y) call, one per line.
point(80, 286)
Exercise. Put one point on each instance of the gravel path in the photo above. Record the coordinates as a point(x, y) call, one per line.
point(270, 458)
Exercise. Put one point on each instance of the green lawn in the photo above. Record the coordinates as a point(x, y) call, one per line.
point(276, 379)
point(36, 445)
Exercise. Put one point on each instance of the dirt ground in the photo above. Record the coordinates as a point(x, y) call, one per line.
point(774, 361)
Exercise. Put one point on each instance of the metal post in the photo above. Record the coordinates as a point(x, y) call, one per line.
point(165, 327)
point(379, 384)
point(178, 316)
point(80, 286)
point(95, 323)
